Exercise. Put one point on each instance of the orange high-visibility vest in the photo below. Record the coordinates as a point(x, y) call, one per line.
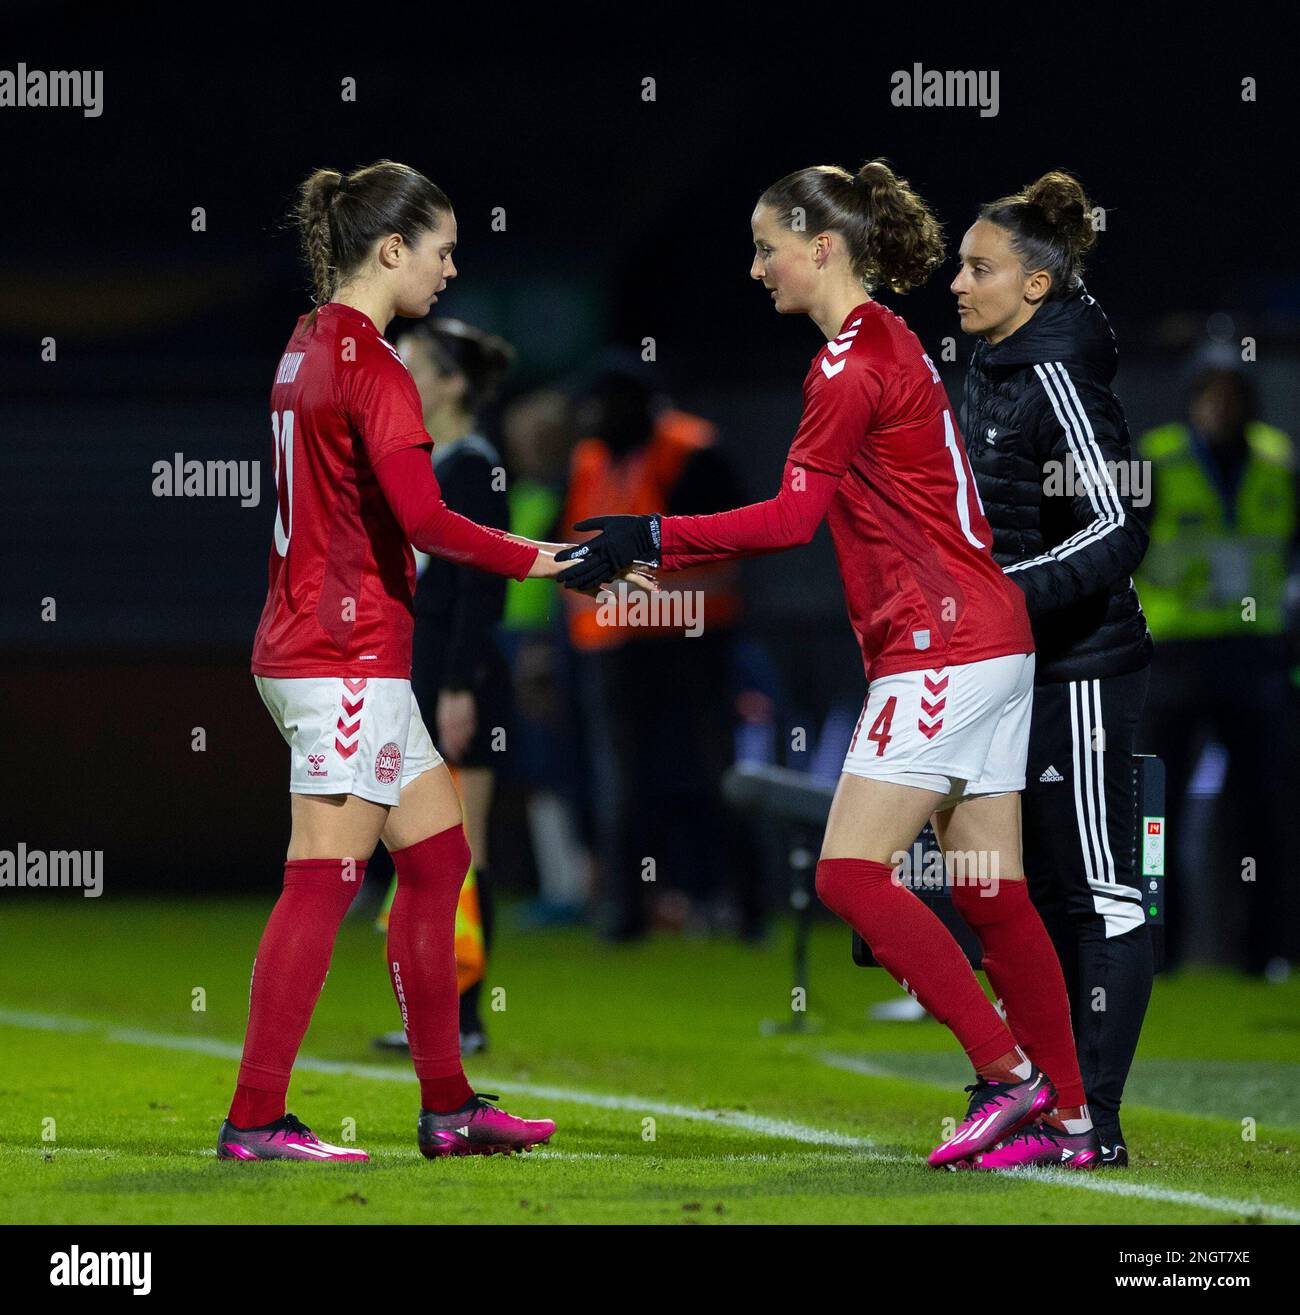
point(638, 484)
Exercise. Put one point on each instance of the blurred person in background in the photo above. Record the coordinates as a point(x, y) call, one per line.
point(457, 666)
point(539, 431)
point(655, 764)
point(1037, 406)
point(1214, 585)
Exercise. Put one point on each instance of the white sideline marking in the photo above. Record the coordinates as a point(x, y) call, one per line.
point(751, 1123)
point(1094, 1182)
point(852, 1064)
point(756, 1158)
point(763, 1127)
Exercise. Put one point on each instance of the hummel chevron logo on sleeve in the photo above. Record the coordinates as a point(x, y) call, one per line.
point(837, 346)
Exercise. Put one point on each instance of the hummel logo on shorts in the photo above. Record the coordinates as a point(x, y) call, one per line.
point(1051, 774)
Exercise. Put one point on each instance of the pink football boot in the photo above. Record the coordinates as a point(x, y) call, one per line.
point(285, 1139)
point(478, 1128)
point(996, 1110)
point(1041, 1143)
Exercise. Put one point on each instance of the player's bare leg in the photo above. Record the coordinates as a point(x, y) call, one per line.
point(428, 805)
point(426, 838)
point(335, 826)
point(875, 819)
point(989, 826)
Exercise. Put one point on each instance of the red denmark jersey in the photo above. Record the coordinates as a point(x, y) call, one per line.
point(878, 452)
point(342, 574)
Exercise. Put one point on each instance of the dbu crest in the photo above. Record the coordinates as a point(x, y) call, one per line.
point(388, 764)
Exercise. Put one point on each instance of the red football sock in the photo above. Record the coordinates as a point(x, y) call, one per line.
point(917, 950)
point(1021, 965)
point(293, 958)
point(422, 962)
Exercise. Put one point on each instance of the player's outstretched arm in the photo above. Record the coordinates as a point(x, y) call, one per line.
point(675, 543)
point(411, 488)
point(838, 412)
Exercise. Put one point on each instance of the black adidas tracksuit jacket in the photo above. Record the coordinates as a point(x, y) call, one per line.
point(1040, 423)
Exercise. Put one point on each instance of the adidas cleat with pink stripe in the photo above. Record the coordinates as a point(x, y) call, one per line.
point(1042, 1144)
point(996, 1111)
point(286, 1139)
point(478, 1128)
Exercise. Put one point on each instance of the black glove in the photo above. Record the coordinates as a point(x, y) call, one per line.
point(622, 540)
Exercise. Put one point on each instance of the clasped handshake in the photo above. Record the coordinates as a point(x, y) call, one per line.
point(622, 550)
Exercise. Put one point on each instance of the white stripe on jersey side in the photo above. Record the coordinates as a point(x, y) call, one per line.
point(957, 452)
point(1087, 455)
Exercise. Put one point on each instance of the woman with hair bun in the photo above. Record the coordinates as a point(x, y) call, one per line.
point(457, 667)
point(332, 662)
point(1052, 455)
point(945, 639)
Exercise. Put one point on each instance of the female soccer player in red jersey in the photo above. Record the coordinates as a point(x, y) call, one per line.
point(945, 639)
point(332, 662)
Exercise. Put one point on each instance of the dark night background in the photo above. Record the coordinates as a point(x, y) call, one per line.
point(624, 220)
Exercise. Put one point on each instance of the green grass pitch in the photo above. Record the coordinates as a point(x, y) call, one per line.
point(673, 1106)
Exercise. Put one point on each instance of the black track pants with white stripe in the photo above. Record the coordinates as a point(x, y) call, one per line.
point(1080, 840)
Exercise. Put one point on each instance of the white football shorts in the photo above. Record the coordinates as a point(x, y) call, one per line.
point(961, 730)
point(361, 736)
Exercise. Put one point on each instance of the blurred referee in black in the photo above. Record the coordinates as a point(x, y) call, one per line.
point(1040, 423)
point(458, 670)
